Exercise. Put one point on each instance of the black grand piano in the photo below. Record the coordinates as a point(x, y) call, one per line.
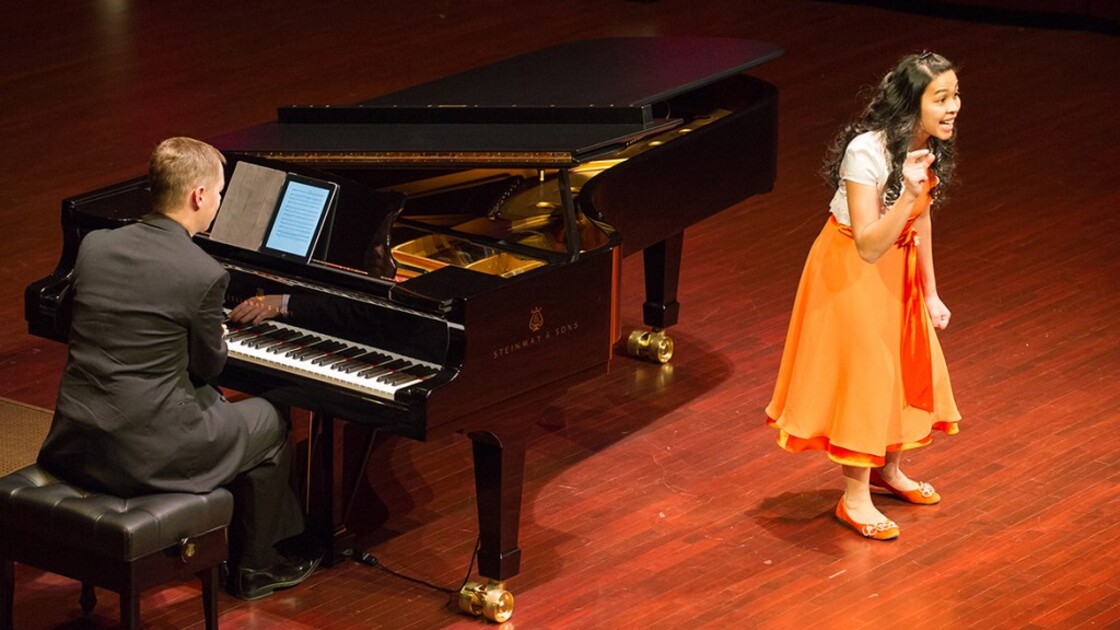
point(477, 232)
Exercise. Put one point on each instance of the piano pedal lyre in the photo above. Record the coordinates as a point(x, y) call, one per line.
point(651, 345)
point(490, 600)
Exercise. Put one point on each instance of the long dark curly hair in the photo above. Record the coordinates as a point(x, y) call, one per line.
point(895, 109)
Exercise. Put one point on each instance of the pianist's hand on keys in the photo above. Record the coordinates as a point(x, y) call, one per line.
point(257, 309)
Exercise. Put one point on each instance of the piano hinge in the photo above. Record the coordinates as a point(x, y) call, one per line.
point(548, 158)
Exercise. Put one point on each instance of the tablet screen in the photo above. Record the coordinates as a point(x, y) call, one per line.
point(298, 218)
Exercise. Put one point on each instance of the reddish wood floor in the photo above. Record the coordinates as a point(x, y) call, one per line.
point(655, 495)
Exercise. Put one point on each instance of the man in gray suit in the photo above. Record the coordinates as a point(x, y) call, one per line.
point(135, 414)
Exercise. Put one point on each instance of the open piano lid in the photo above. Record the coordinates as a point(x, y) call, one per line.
point(558, 106)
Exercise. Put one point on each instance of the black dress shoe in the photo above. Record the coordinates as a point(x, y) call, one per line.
point(251, 584)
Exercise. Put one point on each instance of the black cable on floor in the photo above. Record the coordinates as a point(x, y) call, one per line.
point(369, 559)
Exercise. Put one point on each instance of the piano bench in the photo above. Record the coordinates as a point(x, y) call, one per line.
point(123, 545)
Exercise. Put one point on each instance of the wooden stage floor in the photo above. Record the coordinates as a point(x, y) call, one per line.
point(655, 496)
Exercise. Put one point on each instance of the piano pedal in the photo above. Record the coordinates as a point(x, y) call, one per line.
point(651, 345)
point(490, 600)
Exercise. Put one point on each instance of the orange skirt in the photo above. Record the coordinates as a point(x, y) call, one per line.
point(840, 385)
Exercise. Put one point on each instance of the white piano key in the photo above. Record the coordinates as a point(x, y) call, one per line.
point(238, 349)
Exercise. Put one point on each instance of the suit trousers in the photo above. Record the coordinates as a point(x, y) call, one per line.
point(265, 509)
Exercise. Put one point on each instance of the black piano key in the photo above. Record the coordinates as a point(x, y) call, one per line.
point(265, 341)
point(396, 378)
point(308, 348)
point(291, 344)
point(357, 366)
point(285, 339)
point(275, 340)
point(353, 351)
point(323, 347)
point(306, 352)
point(403, 372)
point(255, 342)
point(403, 366)
point(330, 360)
point(382, 369)
point(283, 346)
point(351, 366)
point(419, 371)
point(266, 334)
point(372, 356)
point(329, 357)
point(337, 365)
point(408, 377)
point(360, 362)
point(247, 332)
point(373, 372)
point(241, 334)
point(307, 355)
point(341, 353)
point(232, 327)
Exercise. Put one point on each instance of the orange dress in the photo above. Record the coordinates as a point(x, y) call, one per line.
point(862, 373)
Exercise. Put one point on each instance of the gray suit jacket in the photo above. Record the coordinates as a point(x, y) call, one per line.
point(134, 414)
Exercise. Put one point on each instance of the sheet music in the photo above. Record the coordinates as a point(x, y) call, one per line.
point(298, 219)
point(247, 206)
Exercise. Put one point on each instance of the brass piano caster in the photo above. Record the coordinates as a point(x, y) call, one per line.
point(651, 345)
point(490, 600)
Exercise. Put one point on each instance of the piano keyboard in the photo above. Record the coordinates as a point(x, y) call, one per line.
point(324, 358)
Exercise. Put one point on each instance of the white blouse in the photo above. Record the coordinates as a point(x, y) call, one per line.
point(865, 162)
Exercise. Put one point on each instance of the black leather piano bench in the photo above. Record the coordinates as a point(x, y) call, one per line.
point(123, 545)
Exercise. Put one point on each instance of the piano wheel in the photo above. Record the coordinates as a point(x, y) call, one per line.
point(490, 600)
point(651, 345)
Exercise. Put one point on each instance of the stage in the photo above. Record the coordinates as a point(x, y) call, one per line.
point(655, 495)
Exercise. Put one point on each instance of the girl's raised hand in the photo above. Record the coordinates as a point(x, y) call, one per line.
point(915, 170)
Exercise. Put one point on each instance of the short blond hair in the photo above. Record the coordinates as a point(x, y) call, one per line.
point(178, 165)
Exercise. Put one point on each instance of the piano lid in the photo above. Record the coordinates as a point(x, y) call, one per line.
point(556, 106)
point(622, 72)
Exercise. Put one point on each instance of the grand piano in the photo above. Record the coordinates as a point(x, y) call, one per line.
point(474, 248)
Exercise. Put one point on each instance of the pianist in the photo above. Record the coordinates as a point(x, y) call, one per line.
point(134, 413)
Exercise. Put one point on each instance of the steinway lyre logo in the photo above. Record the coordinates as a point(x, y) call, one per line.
point(538, 334)
point(536, 319)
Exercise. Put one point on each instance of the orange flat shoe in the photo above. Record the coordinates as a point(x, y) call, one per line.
point(886, 530)
point(924, 495)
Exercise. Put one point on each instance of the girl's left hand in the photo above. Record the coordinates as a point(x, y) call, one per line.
point(938, 313)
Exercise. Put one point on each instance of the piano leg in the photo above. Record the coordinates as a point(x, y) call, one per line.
point(499, 467)
point(327, 506)
point(498, 472)
point(662, 269)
